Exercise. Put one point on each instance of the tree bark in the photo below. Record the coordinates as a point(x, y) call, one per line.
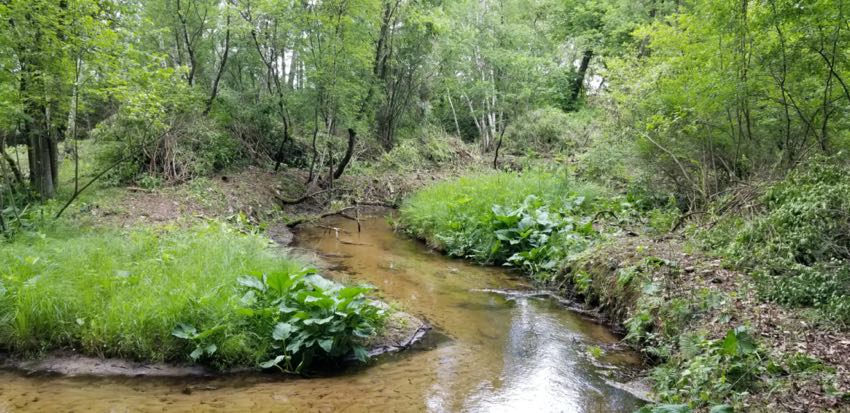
point(349, 152)
point(578, 81)
point(39, 145)
point(221, 68)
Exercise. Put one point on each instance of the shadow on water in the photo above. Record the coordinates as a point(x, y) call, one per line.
point(489, 352)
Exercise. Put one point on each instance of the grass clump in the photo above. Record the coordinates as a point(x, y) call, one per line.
point(530, 220)
point(172, 295)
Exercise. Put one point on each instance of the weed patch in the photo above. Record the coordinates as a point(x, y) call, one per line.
point(210, 294)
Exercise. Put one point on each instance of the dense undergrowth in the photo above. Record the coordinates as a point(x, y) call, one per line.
point(533, 220)
point(209, 294)
point(797, 245)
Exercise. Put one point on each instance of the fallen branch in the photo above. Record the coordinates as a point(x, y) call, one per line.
point(93, 180)
point(307, 196)
point(339, 211)
point(335, 229)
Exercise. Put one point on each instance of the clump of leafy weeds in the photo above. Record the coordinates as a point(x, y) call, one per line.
point(173, 294)
point(798, 246)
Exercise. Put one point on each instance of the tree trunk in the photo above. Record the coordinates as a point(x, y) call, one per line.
point(349, 152)
point(221, 68)
point(41, 152)
point(578, 81)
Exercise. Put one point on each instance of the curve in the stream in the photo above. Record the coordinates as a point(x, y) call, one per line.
point(490, 353)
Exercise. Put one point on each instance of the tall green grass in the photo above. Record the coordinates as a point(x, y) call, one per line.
point(458, 216)
point(122, 294)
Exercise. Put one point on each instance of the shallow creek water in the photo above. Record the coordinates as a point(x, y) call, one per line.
point(488, 352)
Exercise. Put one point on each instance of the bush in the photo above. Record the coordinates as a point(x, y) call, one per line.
point(190, 146)
point(209, 294)
point(707, 372)
point(431, 147)
point(531, 220)
point(545, 131)
point(799, 245)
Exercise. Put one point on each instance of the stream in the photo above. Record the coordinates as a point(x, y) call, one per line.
point(488, 352)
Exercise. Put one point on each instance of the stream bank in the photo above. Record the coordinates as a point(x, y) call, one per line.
point(489, 351)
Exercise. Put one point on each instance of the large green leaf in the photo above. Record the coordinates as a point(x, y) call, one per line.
point(282, 331)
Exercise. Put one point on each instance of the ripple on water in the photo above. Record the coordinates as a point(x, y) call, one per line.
point(491, 353)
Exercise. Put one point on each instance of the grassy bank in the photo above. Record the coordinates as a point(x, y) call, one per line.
point(533, 221)
point(207, 294)
point(715, 334)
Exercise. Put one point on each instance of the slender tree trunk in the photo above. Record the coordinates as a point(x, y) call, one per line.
point(190, 48)
point(349, 152)
point(221, 68)
point(578, 81)
point(454, 114)
point(293, 68)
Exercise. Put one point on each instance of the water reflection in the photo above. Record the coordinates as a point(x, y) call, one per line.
point(498, 354)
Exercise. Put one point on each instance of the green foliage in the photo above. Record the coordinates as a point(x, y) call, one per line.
point(163, 295)
point(710, 372)
point(534, 221)
point(798, 245)
point(535, 239)
point(528, 220)
point(313, 319)
point(162, 136)
point(546, 131)
point(717, 93)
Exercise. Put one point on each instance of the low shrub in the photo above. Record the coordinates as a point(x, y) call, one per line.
point(429, 147)
point(530, 220)
point(798, 246)
point(209, 294)
point(189, 146)
point(706, 372)
point(546, 131)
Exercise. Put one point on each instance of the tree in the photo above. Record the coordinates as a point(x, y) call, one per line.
point(494, 62)
point(48, 43)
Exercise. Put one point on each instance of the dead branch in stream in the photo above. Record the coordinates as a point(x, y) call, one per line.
point(306, 196)
point(294, 223)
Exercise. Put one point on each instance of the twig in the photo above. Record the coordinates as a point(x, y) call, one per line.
point(299, 221)
point(336, 229)
point(285, 201)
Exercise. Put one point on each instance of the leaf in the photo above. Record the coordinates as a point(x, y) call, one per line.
point(738, 341)
point(746, 344)
point(285, 309)
point(282, 331)
point(278, 281)
point(271, 363)
point(210, 349)
point(196, 354)
point(184, 331)
point(318, 321)
point(722, 408)
point(730, 343)
point(361, 354)
point(208, 332)
point(251, 282)
point(326, 344)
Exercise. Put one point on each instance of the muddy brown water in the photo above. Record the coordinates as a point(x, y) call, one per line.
point(489, 352)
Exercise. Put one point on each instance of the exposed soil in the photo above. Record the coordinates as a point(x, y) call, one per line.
point(261, 195)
